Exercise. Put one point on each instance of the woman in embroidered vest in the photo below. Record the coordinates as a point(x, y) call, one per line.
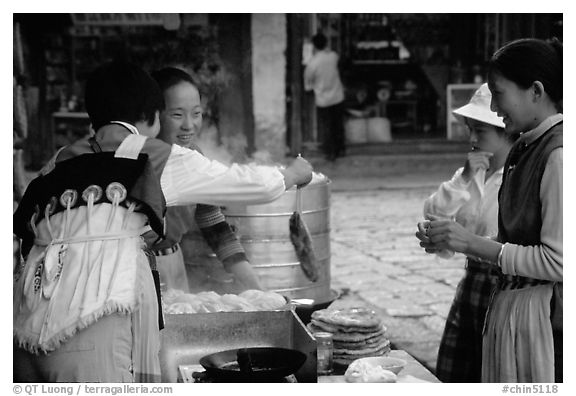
point(471, 198)
point(84, 304)
point(522, 339)
point(180, 123)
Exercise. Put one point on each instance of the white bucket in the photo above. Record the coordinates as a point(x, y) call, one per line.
point(356, 130)
point(379, 130)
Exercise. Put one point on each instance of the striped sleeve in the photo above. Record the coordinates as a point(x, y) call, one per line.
point(219, 235)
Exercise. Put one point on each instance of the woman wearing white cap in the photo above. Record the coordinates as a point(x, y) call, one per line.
point(471, 199)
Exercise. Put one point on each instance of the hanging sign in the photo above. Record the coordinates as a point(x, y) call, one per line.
point(119, 19)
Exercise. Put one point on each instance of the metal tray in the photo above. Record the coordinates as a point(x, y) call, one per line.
point(188, 337)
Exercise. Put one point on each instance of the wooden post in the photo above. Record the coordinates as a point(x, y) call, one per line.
point(294, 83)
point(236, 118)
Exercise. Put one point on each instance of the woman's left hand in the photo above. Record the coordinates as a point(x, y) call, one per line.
point(447, 234)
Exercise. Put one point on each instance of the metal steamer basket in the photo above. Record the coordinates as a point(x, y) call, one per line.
point(264, 233)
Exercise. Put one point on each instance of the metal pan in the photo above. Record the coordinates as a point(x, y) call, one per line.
point(253, 364)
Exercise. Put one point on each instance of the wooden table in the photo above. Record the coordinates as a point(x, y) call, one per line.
point(413, 372)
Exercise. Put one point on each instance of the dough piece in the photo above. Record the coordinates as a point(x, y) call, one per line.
point(252, 294)
point(237, 303)
point(361, 371)
point(169, 295)
point(302, 241)
point(178, 308)
point(272, 300)
point(263, 300)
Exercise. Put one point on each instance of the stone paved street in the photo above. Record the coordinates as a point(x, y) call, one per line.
point(376, 260)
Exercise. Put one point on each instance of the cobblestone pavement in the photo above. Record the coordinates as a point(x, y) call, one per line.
point(376, 260)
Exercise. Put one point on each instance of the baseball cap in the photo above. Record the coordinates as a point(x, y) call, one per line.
point(479, 108)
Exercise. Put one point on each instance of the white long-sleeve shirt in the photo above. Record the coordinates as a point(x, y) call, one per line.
point(473, 204)
point(184, 180)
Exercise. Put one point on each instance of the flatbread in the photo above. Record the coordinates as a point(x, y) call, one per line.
point(361, 344)
point(348, 317)
point(350, 336)
point(365, 351)
point(331, 328)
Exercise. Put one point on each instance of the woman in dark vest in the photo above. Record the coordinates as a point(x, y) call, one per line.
point(522, 339)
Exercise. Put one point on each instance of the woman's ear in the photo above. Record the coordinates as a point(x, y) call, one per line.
point(149, 129)
point(538, 89)
point(156, 124)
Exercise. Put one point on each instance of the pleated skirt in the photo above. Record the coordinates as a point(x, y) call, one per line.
point(517, 344)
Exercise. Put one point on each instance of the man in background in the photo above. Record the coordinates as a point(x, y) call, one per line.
point(321, 76)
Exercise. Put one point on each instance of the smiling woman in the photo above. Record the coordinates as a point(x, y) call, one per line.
point(523, 336)
point(181, 123)
point(522, 331)
point(182, 118)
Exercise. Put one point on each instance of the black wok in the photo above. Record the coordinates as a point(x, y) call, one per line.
point(253, 364)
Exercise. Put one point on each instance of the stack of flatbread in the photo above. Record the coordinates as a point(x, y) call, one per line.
point(356, 333)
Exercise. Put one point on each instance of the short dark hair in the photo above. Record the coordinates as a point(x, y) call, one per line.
point(122, 91)
point(169, 76)
point(524, 61)
point(319, 41)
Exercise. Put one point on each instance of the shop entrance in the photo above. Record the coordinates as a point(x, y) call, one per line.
point(385, 86)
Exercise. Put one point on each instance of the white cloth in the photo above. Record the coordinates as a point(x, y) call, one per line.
point(130, 127)
point(81, 281)
point(131, 146)
point(189, 177)
point(472, 204)
point(321, 75)
point(173, 271)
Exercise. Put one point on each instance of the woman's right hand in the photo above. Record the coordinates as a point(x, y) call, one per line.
point(476, 160)
point(422, 235)
point(299, 173)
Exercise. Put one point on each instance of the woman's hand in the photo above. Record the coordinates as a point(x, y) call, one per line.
point(476, 160)
point(447, 234)
point(299, 173)
point(245, 276)
point(15, 252)
point(422, 235)
point(438, 235)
